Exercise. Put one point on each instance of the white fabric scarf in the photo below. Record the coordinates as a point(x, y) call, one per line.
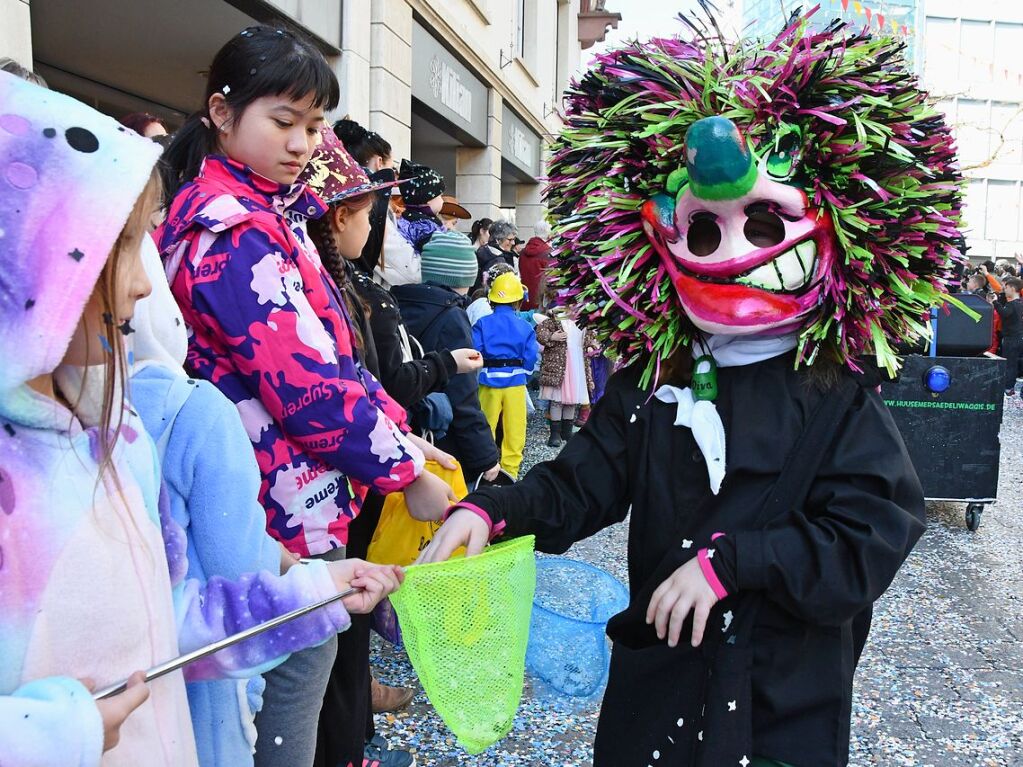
point(702, 415)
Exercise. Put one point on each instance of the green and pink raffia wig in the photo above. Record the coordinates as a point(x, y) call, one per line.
point(804, 184)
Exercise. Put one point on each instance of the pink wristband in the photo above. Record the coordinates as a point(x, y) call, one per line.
point(703, 558)
point(495, 531)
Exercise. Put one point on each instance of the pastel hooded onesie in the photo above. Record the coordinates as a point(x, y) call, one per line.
point(212, 482)
point(92, 576)
point(268, 328)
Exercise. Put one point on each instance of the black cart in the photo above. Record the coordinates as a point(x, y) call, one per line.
point(948, 405)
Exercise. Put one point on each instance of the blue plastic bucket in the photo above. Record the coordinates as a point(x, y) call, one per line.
point(568, 652)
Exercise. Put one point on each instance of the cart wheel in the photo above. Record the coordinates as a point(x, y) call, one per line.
point(973, 512)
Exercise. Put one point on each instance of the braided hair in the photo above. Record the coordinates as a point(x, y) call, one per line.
point(321, 232)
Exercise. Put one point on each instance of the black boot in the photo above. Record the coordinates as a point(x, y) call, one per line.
point(566, 428)
point(555, 438)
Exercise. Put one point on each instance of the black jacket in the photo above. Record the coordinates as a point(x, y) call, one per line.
point(407, 382)
point(436, 316)
point(1011, 313)
point(818, 568)
point(486, 256)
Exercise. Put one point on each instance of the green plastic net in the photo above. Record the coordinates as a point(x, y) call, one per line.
point(465, 624)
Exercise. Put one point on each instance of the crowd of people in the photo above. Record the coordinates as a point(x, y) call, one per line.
point(1000, 285)
point(298, 324)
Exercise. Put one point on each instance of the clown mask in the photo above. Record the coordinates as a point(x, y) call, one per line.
point(744, 249)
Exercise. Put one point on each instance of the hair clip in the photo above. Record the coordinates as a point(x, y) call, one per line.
point(226, 89)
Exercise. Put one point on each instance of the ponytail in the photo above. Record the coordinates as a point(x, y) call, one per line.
point(182, 160)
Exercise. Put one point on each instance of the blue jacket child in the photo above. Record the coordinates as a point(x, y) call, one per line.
point(508, 345)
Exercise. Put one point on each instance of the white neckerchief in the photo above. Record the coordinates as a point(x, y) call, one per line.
point(702, 415)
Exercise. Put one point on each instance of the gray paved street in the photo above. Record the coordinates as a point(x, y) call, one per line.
point(941, 682)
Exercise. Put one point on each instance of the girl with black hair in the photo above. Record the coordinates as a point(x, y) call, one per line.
point(269, 329)
point(480, 234)
point(371, 150)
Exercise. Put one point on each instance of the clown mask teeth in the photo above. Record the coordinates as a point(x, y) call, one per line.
point(792, 270)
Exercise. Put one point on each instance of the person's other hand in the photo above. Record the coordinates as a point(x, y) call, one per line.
point(559, 335)
point(491, 474)
point(433, 453)
point(117, 708)
point(685, 590)
point(373, 581)
point(468, 360)
point(428, 497)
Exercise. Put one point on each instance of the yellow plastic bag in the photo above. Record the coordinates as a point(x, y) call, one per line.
point(399, 539)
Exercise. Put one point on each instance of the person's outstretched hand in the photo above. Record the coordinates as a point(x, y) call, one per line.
point(117, 708)
point(374, 581)
point(428, 497)
point(462, 528)
point(433, 453)
point(468, 360)
point(685, 590)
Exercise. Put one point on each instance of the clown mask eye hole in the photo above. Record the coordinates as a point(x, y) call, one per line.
point(763, 228)
point(704, 235)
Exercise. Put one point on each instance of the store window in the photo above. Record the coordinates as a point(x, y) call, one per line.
point(519, 29)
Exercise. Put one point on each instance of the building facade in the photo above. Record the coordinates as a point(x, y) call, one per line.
point(470, 87)
point(972, 65)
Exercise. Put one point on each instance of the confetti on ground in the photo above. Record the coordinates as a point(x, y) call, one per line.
point(940, 683)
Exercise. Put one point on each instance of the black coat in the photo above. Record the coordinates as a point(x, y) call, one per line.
point(406, 381)
point(1011, 313)
point(817, 569)
point(486, 257)
point(436, 316)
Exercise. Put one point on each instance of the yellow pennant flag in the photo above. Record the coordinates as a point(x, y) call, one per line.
point(858, 8)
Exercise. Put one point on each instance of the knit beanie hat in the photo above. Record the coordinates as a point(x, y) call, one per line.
point(449, 259)
point(420, 183)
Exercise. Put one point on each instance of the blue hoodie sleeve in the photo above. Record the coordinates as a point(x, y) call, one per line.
point(220, 608)
point(51, 722)
point(215, 470)
point(206, 613)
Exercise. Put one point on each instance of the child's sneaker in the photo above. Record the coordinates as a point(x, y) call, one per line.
point(376, 754)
